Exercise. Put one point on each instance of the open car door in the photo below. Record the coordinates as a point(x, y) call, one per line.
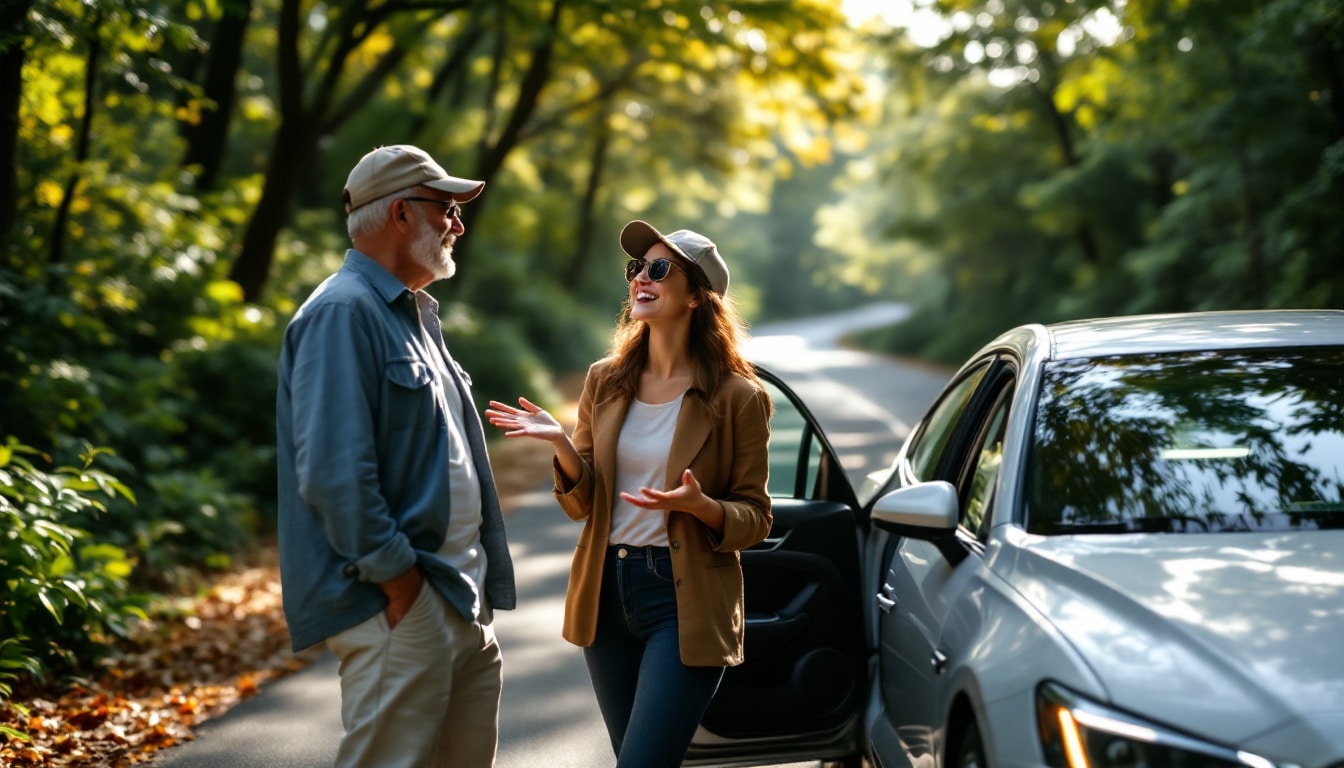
point(799, 692)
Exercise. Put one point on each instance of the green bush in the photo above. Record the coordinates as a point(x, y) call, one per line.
point(499, 361)
point(64, 592)
point(181, 394)
point(566, 332)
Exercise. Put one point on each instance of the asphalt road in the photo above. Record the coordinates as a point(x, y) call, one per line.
point(549, 716)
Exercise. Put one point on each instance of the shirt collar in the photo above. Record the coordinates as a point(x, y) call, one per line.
point(385, 283)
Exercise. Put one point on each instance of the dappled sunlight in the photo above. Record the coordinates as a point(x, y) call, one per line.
point(529, 567)
point(1169, 608)
point(1309, 578)
point(990, 163)
point(857, 411)
point(547, 694)
point(1183, 586)
point(866, 441)
point(843, 387)
point(538, 497)
point(531, 635)
point(1240, 604)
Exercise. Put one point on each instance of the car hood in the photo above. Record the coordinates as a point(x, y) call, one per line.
point(1234, 636)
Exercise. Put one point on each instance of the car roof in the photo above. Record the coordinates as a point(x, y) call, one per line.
point(1180, 332)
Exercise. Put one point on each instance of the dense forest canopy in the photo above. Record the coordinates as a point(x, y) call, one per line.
point(170, 177)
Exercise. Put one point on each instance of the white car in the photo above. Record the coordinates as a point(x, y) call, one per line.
point(1114, 543)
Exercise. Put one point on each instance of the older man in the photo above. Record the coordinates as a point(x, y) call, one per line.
point(392, 546)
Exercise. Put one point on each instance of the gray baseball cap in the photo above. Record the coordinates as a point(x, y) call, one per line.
point(638, 237)
point(401, 166)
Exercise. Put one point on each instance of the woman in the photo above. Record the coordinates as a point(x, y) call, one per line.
point(667, 469)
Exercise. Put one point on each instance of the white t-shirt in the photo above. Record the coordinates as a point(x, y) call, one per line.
point(462, 545)
point(641, 462)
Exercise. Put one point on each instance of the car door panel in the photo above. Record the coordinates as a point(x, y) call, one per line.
point(800, 672)
point(928, 585)
point(798, 692)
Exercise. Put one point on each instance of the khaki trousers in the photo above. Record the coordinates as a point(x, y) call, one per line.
point(422, 695)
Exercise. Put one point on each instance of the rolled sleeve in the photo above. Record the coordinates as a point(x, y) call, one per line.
point(385, 563)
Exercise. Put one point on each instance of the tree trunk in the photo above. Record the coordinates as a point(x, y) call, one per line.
point(1087, 242)
point(572, 279)
point(292, 155)
point(492, 155)
point(206, 140)
point(57, 253)
point(295, 148)
point(529, 93)
point(451, 69)
point(13, 35)
point(253, 265)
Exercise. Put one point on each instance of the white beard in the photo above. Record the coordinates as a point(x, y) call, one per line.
point(430, 252)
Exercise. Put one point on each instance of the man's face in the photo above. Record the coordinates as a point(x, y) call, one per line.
point(433, 250)
point(438, 225)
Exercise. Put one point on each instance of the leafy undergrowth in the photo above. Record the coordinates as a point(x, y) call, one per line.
point(197, 657)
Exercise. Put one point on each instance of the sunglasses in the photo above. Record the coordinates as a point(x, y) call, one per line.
point(451, 210)
point(658, 269)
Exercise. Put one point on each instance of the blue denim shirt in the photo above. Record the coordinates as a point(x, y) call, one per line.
point(362, 443)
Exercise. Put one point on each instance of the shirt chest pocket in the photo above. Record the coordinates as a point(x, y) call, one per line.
point(412, 397)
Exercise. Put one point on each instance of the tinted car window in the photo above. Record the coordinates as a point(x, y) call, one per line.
point(937, 429)
point(795, 453)
point(1215, 441)
point(985, 473)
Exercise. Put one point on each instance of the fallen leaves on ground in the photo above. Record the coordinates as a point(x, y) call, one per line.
point(194, 661)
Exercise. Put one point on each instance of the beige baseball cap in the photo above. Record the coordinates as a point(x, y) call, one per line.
point(401, 166)
point(638, 237)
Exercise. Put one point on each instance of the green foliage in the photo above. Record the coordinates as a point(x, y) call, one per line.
point(559, 331)
point(65, 591)
point(1045, 162)
point(16, 662)
point(103, 341)
point(498, 359)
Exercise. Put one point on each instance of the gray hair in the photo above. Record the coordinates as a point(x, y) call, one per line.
point(371, 216)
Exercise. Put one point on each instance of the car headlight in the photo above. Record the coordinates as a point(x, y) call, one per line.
point(1078, 733)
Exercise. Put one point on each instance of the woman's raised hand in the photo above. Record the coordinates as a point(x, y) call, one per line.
point(531, 420)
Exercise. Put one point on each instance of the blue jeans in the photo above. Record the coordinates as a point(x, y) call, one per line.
point(651, 702)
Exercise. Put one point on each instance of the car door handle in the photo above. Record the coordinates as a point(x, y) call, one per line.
point(770, 545)
point(886, 604)
point(939, 661)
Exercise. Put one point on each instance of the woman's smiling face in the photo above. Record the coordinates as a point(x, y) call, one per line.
point(669, 298)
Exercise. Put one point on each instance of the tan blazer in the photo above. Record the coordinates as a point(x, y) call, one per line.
point(727, 454)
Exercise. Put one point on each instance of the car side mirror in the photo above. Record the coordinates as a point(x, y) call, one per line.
point(928, 511)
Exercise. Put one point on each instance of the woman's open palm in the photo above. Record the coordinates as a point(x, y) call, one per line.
point(531, 420)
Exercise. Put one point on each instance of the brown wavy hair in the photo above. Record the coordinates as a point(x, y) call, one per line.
point(715, 332)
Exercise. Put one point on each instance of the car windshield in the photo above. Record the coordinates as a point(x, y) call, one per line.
point(1191, 442)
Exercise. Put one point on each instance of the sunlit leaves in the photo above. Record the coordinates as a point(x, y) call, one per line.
point(374, 47)
point(1170, 157)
